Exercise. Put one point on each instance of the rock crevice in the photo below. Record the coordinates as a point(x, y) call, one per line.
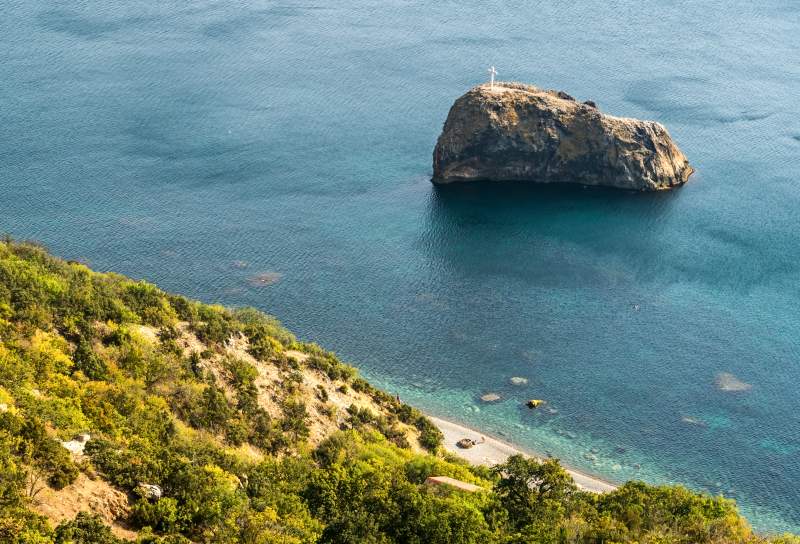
point(518, 132)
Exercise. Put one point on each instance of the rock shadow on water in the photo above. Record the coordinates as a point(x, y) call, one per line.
point(499, 203)
point(551, 235)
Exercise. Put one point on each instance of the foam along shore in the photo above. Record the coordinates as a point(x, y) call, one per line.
point(492, 451)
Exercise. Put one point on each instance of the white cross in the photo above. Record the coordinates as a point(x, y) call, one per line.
point(492, 73)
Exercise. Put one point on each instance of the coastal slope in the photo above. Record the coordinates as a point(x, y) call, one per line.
point(128, 413)
point(518, 132)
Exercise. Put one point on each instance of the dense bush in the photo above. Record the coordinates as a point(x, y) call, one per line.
point(161, 514)
point(88, 362)
point(46, 454)
point(85, 529)
point(430, 437)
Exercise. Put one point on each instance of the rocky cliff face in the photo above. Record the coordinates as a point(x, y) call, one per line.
point(518, 132)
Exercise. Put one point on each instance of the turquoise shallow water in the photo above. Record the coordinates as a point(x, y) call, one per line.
point(199, 145)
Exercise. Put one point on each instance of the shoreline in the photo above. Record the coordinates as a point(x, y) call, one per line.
point(493, 451)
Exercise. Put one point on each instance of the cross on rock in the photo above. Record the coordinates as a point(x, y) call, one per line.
point(492, 73)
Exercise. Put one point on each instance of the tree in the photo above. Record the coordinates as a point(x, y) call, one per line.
point(533, 491)
point(48, 454)
point(295, 418)
point(87, 361)
point(214, 412)
point(209, 501)
point(12, 475)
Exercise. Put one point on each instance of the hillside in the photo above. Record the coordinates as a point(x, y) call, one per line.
point(127, 413)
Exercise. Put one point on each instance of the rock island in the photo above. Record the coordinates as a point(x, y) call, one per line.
point(518, 132)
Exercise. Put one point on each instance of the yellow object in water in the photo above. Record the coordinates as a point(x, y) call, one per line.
point(534, 403)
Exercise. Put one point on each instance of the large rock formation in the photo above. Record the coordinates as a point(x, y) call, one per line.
point(518, 132)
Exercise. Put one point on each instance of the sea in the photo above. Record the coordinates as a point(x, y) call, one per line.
point(277, 154)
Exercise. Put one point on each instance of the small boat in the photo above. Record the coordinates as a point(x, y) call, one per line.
point(534, 403)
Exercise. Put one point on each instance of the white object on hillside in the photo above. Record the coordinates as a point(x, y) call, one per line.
point(149, 491)
point(492, 73)
point(77, 445)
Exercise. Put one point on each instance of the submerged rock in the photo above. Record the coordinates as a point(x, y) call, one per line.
point(517, 380)
point(264, 279)
point(725, 381)
point(517, 132)
point(689, 420)
point(490, 397)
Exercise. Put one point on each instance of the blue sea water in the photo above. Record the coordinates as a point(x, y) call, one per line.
point(199, 144)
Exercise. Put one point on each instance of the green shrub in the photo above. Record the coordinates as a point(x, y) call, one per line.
point(534, 492)
point(88, 362)
point(161, 515)
point(430, 437)
point(149, 303)
point(214, 411)
point(48, 454)
point(295, 418)
point(241, 372)
point(213, 324)
point(194, 365)
point(147, 537)
point(263, 433)
point(210, 500)
point(85, 529)
point(185, 309)
point(236, 431)
point(126, 466)
point(261, 346)
point(260, 325)
point(333, 368)
point(12, 472)
point(18, 525)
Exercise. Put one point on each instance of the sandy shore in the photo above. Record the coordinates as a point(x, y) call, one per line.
point(494, 451)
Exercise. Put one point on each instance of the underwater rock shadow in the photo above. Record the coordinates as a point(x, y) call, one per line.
point(553, 235)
